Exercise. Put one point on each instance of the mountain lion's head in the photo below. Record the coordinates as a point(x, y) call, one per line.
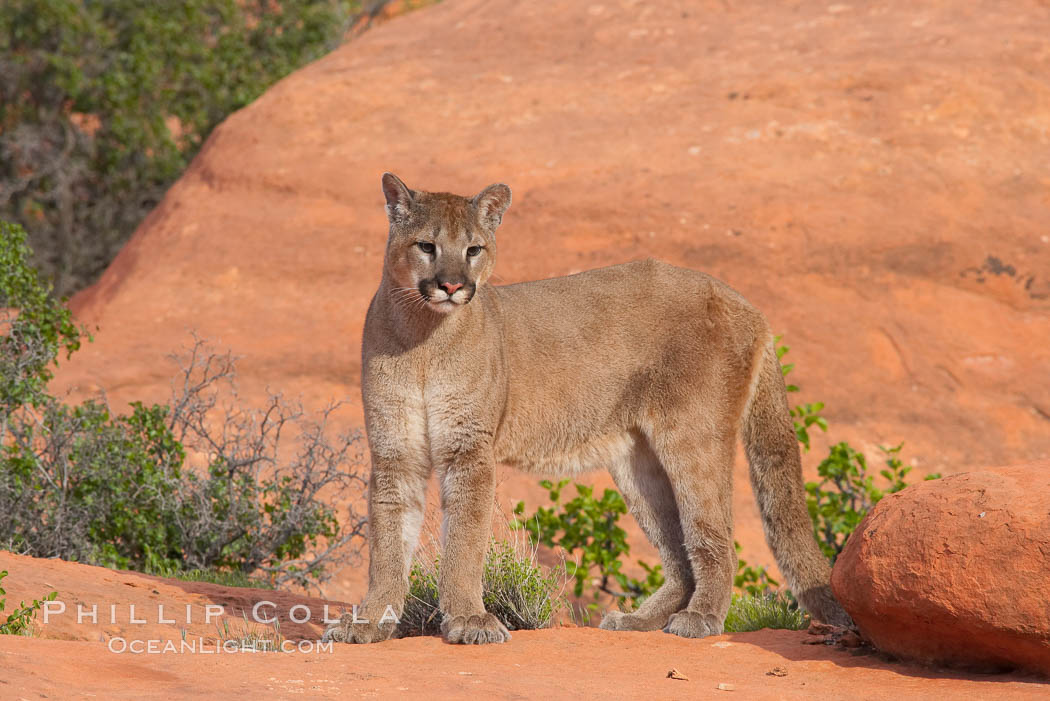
point(441, 246)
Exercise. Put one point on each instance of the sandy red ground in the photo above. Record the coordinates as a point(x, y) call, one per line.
point(874, 177)
point(67, 659)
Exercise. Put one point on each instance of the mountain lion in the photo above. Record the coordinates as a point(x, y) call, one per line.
point(648, 370)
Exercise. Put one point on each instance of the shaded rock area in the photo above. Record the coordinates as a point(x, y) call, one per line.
point(956, 571)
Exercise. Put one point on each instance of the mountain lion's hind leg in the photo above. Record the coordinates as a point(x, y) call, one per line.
point(701, 476)
point(646, 489)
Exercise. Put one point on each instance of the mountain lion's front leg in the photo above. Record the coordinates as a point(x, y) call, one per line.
point(467, 492)
point(396, 500)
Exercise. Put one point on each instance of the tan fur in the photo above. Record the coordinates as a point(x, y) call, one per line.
point(645, 369)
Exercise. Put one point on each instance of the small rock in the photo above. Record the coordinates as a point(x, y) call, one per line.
point(850, 640)
point(675, 674)
point(777, 672)
point(726, 687)
point(818, 628)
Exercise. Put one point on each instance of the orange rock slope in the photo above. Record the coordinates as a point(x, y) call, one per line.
point(874, 177)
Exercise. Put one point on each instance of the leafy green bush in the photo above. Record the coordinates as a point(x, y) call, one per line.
point(421, 615)
point(103, 104)
point(515, 589)
point(837, 512)
point(80, 483)
point(20, 621)
point(805, 415)
point(31, 337)
point(587, 528)
point(772, 610)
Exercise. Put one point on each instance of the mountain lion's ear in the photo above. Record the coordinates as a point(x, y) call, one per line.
point(398, 198)
point(492, 202)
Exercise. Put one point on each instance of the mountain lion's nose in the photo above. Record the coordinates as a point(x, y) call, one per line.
point(450, 287)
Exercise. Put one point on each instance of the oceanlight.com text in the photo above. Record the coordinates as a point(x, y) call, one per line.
point(200, 646)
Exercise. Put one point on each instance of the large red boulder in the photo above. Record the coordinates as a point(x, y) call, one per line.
point(956, 571)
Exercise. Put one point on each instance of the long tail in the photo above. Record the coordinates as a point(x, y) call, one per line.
point(776, 478)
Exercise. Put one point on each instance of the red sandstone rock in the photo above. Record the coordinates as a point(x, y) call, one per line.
point(852, 169)
point(956, 571)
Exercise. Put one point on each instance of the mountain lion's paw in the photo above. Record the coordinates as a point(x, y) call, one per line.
point(474, 630)
point(347, 631)
point(616, 620)
point(690, 624)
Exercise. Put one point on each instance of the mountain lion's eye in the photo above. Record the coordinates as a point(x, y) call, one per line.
point(473, 251)
point(427, 247)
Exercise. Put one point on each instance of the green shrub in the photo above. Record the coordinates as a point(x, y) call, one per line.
point(421, 615)
point(81, 483)
point(103, 104)
point(20, 621)
point(805, 415)
point(837, 512)
point(587, 528)
point(772, 610)
point(33, 328)
point(515, 589)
